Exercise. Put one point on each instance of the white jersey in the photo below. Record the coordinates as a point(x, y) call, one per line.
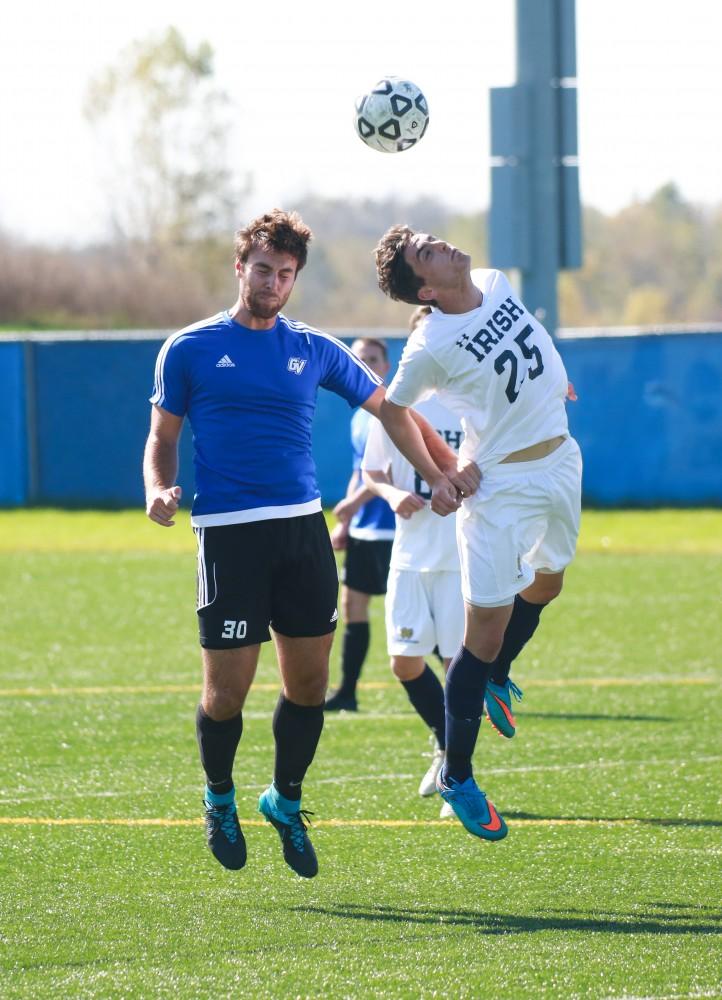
point(496, 367)
point(425, 542)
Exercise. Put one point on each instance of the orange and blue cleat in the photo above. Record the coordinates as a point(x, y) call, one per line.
point(497, 702)
point(472, 808)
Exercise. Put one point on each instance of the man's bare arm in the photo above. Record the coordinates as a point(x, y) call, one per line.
point(356, 496)
point(400, 501)
point(160, 467)
point(405, 434)
point(427, 447)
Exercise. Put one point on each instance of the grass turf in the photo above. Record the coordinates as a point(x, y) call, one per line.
point(607, 886)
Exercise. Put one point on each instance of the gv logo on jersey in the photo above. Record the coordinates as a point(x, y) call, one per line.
point(296, 365)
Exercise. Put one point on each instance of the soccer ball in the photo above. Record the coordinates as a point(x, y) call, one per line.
point(393, 116)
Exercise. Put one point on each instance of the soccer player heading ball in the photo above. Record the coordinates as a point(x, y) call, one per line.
point(247, 380)
point(492, 363)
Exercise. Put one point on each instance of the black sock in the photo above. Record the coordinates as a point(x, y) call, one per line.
point(297, 730)
point(354, 648)
point(465, 687)
point(522, 626)
point(427, 696)
point(217, 742)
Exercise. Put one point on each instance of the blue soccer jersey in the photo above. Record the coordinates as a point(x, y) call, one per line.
point(250, 397)
point(375, 520)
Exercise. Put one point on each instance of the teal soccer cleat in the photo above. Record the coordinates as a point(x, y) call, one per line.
point(473, 808)
point(288, 818)
point(497, 702)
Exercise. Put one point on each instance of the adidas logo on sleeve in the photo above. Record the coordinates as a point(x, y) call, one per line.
point(225, 362)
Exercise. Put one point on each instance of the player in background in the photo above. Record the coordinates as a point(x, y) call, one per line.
point(365, 530)
point(247, 379)
point(424, 607)
point(494, 365)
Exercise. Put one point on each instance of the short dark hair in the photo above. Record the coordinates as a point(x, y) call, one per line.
point(396, 278)
point(283, 232)
point(376, 342)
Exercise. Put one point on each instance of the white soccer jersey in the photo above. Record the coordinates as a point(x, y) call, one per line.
point(496, 367)
point(424, 542)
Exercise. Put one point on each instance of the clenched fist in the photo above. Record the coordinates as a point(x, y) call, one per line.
point(162, 505)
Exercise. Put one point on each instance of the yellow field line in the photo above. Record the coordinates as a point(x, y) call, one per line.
point(44, 692)
point(382, 823)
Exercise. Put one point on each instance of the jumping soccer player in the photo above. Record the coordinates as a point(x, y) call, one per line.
point(365, 530)
point(247, 380)
point(424, 607)
point(494, 365)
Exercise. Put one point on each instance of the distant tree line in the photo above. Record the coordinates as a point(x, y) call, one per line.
point(656, 261)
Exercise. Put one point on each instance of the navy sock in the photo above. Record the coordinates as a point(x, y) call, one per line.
point(217, 742)
point(465, 687)
point(354, 648)
point(522, 626)
point(297, 730)
point(427, 696)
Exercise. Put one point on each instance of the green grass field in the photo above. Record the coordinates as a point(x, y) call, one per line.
point(608, 885)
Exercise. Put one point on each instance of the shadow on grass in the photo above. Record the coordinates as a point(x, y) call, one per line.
point(515, 923)
point(642, 820)
point(588, 717)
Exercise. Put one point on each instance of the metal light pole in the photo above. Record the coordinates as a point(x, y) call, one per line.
point(535, 217)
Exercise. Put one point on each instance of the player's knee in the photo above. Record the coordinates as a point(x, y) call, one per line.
point(546, 587)
point(354, 605)
point(490, 649)
point(485, 647)
point(221, 703)
point(307, 694)
point(407, 668)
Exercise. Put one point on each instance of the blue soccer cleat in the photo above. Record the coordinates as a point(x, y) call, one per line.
point(288, 818)
point(497, 702)
point(473, 808)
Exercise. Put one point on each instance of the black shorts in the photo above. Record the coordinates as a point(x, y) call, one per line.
point(279, 573)
point(366, 567)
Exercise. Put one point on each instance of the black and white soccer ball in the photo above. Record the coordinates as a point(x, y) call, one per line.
point(392, 116)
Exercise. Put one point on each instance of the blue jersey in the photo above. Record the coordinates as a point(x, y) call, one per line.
point(250, 396)
point(375, 520)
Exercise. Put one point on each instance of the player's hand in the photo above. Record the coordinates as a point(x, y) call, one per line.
point(445, 498)
point(344, 510)
point(405, 504)
point(339, 537)
point(162, 505)
point(466, 477)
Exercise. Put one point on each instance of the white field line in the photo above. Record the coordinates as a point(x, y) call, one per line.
point(45, 692)
point(665, 762)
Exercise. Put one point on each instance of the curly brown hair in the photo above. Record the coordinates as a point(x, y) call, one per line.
point(282, 232)
point(396, 278)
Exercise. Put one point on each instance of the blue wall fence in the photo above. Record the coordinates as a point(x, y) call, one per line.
point(74, 416)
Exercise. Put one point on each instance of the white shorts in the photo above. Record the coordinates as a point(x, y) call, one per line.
point(523, 518)
point(424, 610)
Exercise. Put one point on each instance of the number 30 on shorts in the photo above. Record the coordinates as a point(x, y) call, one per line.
point(233, 629)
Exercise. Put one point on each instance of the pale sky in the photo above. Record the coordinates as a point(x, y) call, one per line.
point(649, 76)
